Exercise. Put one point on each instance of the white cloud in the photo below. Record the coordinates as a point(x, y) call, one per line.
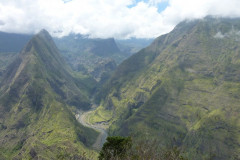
point(107, 18)
point(219, 35)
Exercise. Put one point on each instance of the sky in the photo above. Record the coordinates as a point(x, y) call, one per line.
point(120, 19)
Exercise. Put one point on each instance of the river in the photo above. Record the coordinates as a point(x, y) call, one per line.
point(83, 118)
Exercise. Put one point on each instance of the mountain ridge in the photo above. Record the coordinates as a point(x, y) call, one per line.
point(97, 57)
point(179, 88)
point(39, 96)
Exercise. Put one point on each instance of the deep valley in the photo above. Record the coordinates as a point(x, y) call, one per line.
point(61, 97)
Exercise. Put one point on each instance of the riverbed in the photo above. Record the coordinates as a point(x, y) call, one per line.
point(83, 118)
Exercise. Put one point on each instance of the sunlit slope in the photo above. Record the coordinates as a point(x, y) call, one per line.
point(183, 89)
point(38, 96)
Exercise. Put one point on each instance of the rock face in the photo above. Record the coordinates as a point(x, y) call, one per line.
point(36, 93)
point(183, 90)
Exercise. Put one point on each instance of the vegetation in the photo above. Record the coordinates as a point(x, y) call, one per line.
point(5, 60)
point(124, 148)
point(39, 94)
point(182, 90)
point(116, 147)
point(97, 57)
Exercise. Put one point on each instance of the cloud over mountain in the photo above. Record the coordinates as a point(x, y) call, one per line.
point(107, 18)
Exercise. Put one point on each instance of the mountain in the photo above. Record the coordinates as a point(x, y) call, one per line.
point(97, 57)
point(38, 96)
point(5, 60)
point(79, 43)
point(13, 42)
point(133, 45)
point(10, 45)
point(182, 90)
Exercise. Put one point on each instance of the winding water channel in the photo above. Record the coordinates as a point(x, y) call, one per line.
point(83, 118)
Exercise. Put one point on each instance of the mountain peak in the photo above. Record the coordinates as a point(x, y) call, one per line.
point(38, 81)
point(43, 31)
point(44, 34)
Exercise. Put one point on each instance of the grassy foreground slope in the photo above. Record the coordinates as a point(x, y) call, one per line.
point(37, 94)
point(183, 90)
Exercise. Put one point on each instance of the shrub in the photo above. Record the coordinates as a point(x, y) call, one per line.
point(115, 147)
point(118, 148)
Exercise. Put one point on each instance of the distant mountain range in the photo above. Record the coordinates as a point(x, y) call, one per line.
point(183, 90)
point(5, 60)
point(97, 57)
point(133, 45)
point(13, 42)
point(94, 56)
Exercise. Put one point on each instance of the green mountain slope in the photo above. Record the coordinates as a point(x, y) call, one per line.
point(182, 90)
point(38, 95)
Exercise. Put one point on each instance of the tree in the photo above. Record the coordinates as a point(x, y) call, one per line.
point(118, 148)
point(115, 148)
